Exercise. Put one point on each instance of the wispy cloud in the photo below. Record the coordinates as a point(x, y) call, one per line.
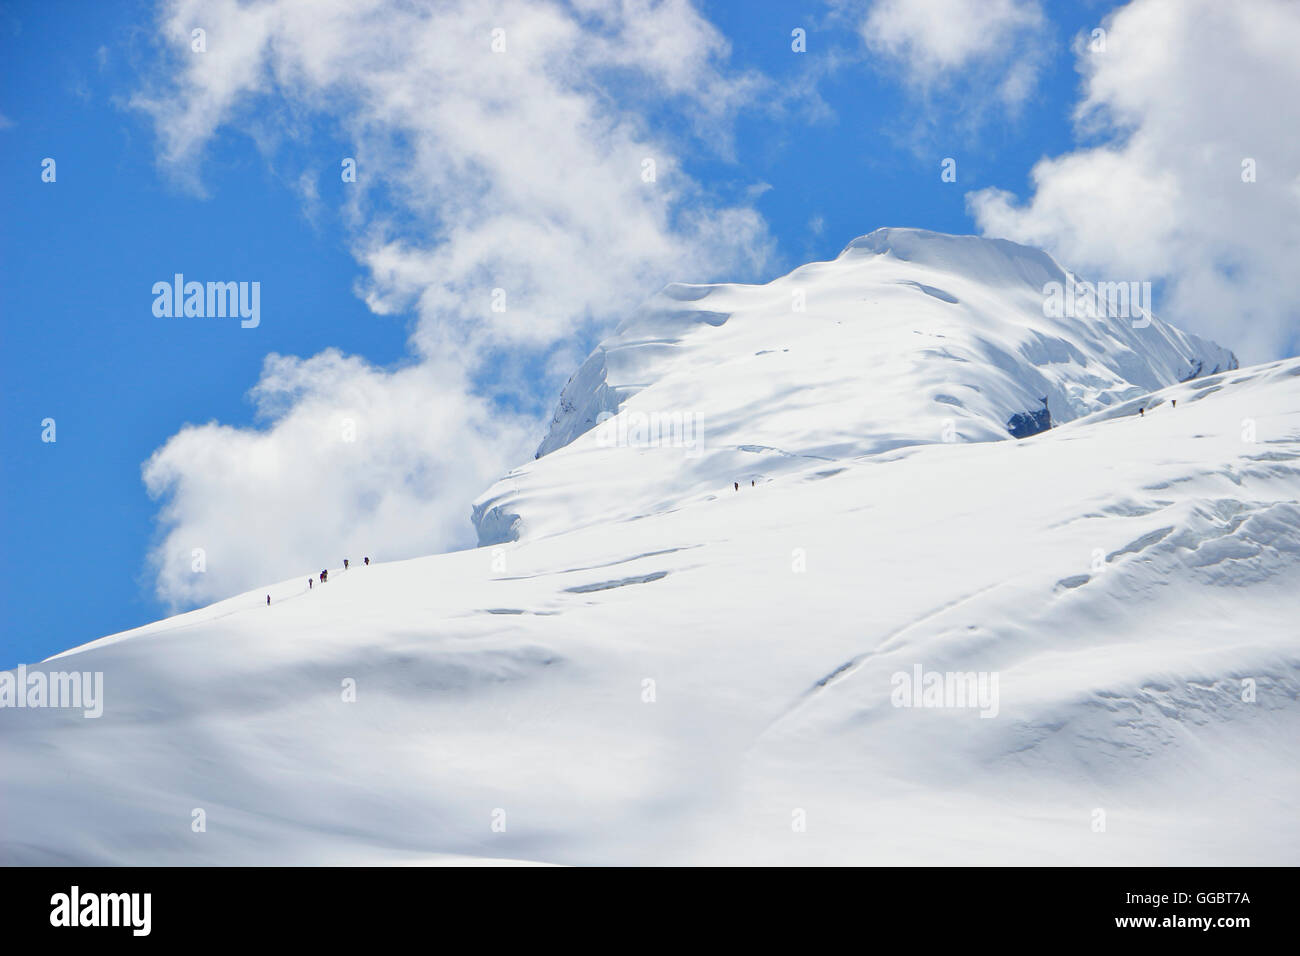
point(1192, 169)
point(519, 182)
point(994, 48)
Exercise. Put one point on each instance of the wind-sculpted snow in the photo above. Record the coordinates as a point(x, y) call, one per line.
point(1076, 648)
point(907, 338)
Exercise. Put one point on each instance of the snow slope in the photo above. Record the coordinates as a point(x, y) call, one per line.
point(908, 337)
point(1129, 580)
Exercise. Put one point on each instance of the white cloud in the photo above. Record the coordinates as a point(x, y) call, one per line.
point(990, 45)
point(356, 461)
point(1185, 91)
point(524, 170)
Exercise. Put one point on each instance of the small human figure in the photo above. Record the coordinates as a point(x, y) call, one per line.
point(737, 484)
point(367, 562)
point(324, 576)
point(1174, 402)
point(345, 564)
point(1142, 413)
point(309, 584)
point(268, 600)
point(751, 482)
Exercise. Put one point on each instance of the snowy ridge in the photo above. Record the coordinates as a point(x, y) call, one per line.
point(908, 337)
point(1124, 576)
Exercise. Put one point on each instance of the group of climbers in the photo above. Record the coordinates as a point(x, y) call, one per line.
point(324, 576)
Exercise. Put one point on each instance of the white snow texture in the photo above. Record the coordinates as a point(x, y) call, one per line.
point(645, 664)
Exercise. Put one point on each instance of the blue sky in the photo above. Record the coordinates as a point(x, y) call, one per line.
point(838, 141)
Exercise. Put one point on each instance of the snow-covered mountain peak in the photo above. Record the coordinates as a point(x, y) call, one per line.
point(908, 337)
point(991, 261)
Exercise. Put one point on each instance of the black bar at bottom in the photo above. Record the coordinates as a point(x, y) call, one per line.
point(967, 905)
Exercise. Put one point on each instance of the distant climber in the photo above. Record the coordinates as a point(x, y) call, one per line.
point(324, 576)
point(345, 564)
point(1174, 402)
point(737, 484)
point(751, 482)
point(367, 562)
point(1142, 412)
point(309, 584)
point(268, 600)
